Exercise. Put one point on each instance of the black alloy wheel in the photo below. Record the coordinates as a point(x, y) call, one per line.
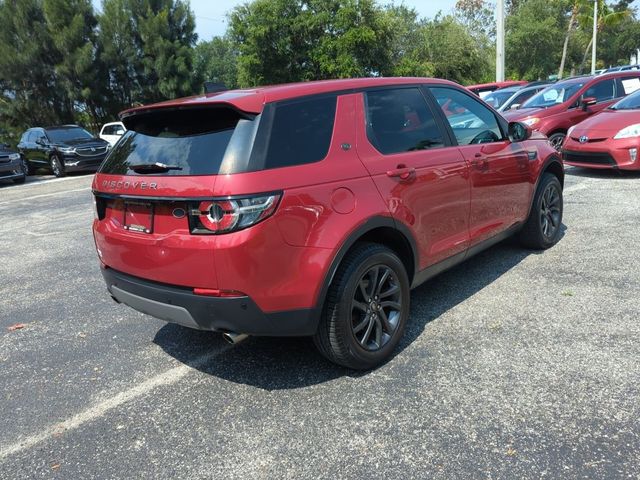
point(366, 308)
point(544, 224)
point(376, 308)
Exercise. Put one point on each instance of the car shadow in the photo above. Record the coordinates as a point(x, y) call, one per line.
point(290, 363)
point(608, 174)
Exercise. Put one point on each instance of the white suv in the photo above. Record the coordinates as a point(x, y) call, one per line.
point(111, 132)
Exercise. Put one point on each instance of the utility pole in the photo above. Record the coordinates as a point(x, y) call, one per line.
point(595, 37)
point(500, 41)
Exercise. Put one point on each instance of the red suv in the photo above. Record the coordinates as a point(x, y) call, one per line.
point(313, 208)
point(562, 105)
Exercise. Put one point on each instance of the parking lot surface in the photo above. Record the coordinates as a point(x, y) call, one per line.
point(515, 364)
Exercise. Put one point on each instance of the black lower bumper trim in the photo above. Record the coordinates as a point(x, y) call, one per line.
point(180, 305)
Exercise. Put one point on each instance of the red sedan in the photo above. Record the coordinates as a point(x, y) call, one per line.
point(610, 139)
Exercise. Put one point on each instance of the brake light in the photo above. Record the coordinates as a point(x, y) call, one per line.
point(231, 215)
point(214, 292)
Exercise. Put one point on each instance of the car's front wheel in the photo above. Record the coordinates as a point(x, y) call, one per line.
point(543, 227)
point(557, 139)
point(366, 309)
point(56, 166)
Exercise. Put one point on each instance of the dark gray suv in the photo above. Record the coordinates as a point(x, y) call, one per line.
point(62, 149)
point(12, 166)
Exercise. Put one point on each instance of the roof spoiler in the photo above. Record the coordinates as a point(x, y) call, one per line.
point(214, 87)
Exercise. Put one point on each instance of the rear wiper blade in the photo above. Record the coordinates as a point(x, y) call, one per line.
point(153, 167)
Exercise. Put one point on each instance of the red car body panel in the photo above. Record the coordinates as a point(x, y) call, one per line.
point(560, 117)
point(599, 149)
point(457, 198)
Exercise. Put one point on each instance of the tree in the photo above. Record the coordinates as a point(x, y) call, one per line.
point(607, 18)
point(294, 40)
point(29, 90)
point(148, 45)
point(455, 54)
point(217, 60)
point(533, 34)
point(71, 25)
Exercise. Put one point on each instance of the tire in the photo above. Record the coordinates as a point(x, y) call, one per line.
point(557, 139)
point(542, 228)
point(354, 332)
point(56, 166)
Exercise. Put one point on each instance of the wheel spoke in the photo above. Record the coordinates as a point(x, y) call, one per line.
point(385, 322)
point(367, 333)
point(358, 328)
point(363, 290)
point(359, 306)
point(390, 304)
point(378, 327)
point(392, 291)
point(382, 280)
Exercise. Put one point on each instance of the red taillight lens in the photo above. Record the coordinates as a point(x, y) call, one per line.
point(230, 215)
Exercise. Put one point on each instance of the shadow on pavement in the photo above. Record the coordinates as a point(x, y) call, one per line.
point(288, 363)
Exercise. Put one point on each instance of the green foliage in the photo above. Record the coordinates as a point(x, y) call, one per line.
point(293, 40)
point(217, 61)
point(148, 46)
point(534, 38)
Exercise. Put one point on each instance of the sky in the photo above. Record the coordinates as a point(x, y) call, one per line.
point(211, 17)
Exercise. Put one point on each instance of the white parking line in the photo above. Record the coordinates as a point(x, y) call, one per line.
point(100, 409)
point(24, 199)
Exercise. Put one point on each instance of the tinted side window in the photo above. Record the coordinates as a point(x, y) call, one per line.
point(470, 120)
point(602, 91)
point(627, 85)
point(301, 132)
point(398, 120)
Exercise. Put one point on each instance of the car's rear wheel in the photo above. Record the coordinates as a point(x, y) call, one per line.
point(542, 229)
point(56, 166)
point(557, 139)
point(366, 309)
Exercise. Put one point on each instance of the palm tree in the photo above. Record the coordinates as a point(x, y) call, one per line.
point(606, 18)
point(576, 7)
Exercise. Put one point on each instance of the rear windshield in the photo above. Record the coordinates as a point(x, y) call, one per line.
point(221, 140)
point(186, 142)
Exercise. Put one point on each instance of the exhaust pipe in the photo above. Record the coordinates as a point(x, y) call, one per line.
point(234, 338)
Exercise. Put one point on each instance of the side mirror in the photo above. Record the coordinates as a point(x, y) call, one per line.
point(519, 132)
point(587, 101)
point(40, 142)
point(515, 106)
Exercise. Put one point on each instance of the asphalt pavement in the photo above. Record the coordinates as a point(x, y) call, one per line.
point(515, 364)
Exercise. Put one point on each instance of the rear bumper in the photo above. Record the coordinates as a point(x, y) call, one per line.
point(180, 305)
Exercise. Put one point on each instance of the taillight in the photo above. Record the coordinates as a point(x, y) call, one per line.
point(230, 215)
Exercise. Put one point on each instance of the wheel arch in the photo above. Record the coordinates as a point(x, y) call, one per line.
point(384, 231)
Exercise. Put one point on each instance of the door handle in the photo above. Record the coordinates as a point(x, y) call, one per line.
point(402, 172)
point(480, 162)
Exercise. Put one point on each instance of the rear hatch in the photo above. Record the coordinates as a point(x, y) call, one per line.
point(153, 191)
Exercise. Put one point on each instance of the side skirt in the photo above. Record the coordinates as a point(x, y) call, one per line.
point(433, 270)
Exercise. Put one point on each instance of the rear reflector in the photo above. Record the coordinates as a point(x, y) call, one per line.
point(215, 292)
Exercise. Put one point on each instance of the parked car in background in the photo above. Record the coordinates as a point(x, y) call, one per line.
point(111, 132)
point(622, 68)
point(62, 149)
point(313, 208)
point(520, 96)
point(558, 107)
point(610, 139)
point(483, 89)
point(12, 166)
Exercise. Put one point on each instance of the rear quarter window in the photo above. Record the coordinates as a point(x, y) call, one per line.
point(299, 131)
